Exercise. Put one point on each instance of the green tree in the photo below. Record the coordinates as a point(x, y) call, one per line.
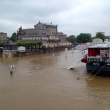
point(30, 44)
point(13, 37)
point(101, 36)
point(1, 43)
point(84, 38)
point(71, 38)
point(39, 44)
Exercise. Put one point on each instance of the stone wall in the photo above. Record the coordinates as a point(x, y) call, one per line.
point(9, 54)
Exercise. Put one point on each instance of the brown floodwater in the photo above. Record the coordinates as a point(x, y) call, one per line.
point(43, 82)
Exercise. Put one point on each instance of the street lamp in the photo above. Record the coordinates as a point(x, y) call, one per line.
point(10, 47)
point(12, 65)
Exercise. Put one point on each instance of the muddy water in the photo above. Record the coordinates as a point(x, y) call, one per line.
point(43, 82)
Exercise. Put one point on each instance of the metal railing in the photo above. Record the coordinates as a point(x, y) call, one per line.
point(99, 59)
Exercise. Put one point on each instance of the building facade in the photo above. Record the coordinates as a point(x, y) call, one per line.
point(3, 36)
point(44, 32)
point(107, 39)
point(97, 41)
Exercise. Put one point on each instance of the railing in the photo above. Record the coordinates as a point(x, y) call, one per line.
point(98, 59)
point(9, 50)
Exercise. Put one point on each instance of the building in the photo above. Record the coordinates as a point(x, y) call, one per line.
point(3, 36)
point(97, 41)
point(9, 48)
point(47, 33)
point(107, 39)
point(47, 26)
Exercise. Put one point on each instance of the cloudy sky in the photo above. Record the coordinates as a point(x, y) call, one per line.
point(72, 16)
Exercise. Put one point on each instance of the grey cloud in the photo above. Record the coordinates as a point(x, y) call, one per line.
point(72, 17)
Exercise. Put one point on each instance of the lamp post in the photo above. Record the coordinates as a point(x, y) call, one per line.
point(10, 46)
point(12, 66)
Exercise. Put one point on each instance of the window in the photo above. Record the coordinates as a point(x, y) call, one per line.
point(104, 48)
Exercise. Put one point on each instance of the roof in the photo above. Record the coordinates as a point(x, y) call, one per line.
point(48, 24)
point(2, 33)
point(63, 40)
point(100, 46)
point(107, 36)
point(9, 42)
point(37, 32)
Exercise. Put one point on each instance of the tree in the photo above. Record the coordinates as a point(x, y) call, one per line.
point(101, 36)
point(71, 38)
point(84, 38)
point(29, 44)
point(1, 43)
point(39, 44)
point(13, 37)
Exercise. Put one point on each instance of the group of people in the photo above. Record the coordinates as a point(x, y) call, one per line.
point(104, 57)
point(83, 52)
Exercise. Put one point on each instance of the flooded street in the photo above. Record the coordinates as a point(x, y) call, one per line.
point(43, 82)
